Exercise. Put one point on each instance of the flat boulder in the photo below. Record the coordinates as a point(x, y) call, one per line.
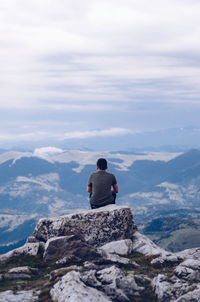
point(70, 248)
point(97, 227)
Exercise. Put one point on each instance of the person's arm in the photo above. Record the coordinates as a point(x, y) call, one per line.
point(116, 188)
point(89, 189)
point(89, 185)
point(115, 185)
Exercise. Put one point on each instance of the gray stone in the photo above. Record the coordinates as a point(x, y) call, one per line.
point(169, 289)
point(27, 249)
point(117, 285)
point(189, 270)
point(57, 273)
point(89, 278)
point(20, 296)
point(120, 247)
point(70, 288)
point(98, 226)
point(191, 296)
point(69, 249)
point(20, 273)
point(23, 270)
point(31, 239)
point(193, 253)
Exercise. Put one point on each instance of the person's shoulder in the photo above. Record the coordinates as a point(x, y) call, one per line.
point(111, 174)
point(93, 174)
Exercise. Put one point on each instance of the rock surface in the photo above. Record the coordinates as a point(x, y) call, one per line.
point(27, 249)
point(20, 296)
point(97, 256)
point(68, 247)
point(97, 227)
point(120, 247)
point(70, 288)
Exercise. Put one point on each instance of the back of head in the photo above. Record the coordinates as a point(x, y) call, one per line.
point(102, 164)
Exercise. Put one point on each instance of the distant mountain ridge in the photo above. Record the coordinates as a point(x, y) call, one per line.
point(152, 184)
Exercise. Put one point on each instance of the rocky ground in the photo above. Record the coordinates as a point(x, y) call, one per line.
point(98, 256)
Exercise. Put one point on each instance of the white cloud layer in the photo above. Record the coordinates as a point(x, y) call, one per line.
point(116, 66)
point(96, 133)
point(47, 151)
point(86, 51)
point(39, 136)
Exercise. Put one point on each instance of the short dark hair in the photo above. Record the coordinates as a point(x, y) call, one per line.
point(102, 164)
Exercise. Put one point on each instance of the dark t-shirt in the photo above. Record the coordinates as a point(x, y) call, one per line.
point(101, 183)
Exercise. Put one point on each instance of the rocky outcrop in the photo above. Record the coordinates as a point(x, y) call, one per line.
point(97, 227)
point(97, 255)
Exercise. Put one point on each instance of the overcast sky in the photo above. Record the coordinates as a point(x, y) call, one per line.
point(86, 68)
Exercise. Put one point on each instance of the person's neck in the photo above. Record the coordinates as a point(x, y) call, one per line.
point(101, 170)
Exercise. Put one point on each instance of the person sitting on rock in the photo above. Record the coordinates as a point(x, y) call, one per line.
point(102, 186)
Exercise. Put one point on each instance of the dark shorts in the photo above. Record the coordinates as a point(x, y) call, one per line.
point(104, 204)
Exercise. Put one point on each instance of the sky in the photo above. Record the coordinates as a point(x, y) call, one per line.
point(74, 69)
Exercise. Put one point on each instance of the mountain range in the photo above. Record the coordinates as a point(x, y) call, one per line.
point(155, 185)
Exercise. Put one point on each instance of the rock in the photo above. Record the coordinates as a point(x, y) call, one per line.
point(189, 270)
point(27, 249)
point(20, 273)
point(169, 289)
point(23, 270)
point(120, 247)
point(165, 259)
point(31, 239)
point(142, 244)
point(116, 258)
point(71, 289)
point(90, 265)
point(113, 250)
point(89, 278)
point(191, 296)
point(98, 227)
point(57, 273)
point(67, 247)
point(108, 284)
point(193, 253)
point(20, 296)
point(194, 264)
point(117, 285)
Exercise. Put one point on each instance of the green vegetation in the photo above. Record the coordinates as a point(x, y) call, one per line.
point(174, 233)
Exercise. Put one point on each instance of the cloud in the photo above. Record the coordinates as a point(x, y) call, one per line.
point(73, 61)
point(96, 133)
point(85, 51)
point(59, 136)
point(47, 151)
